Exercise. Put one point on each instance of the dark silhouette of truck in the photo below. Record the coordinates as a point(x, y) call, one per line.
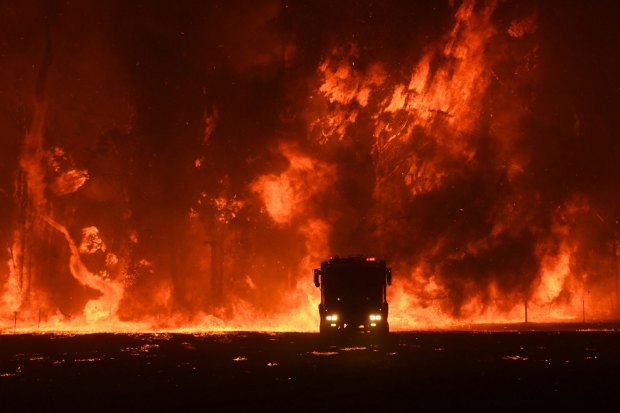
point(353, 295)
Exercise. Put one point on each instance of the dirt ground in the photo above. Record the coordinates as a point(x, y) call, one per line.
point(416, 371)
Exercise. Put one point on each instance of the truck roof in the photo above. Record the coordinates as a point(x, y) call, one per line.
point(353, 260)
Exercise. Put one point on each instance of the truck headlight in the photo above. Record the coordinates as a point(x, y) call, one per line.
point(375, 317)
point(332, 317)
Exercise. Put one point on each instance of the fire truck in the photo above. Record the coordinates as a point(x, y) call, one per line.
point(353, 295)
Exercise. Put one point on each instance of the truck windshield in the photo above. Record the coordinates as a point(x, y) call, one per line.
point(353, 285)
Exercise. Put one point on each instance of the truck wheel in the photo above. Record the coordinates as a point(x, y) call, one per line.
point(326, 331)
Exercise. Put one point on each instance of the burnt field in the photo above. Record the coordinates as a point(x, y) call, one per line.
point(294, 371)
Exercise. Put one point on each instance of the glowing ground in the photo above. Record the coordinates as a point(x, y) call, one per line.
point(289, 371)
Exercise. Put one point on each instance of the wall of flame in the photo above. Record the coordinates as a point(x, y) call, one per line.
point(185, 166)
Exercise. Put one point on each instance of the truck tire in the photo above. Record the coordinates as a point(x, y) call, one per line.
point(325, 329)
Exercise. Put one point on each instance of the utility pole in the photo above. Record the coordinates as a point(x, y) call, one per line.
point(616, 255)
point(584, 277)
point(583, 304)
point(526, 310)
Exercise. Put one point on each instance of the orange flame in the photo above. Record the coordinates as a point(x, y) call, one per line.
point(420, 130)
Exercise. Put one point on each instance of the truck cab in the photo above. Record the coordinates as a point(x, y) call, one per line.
point(353, 295)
